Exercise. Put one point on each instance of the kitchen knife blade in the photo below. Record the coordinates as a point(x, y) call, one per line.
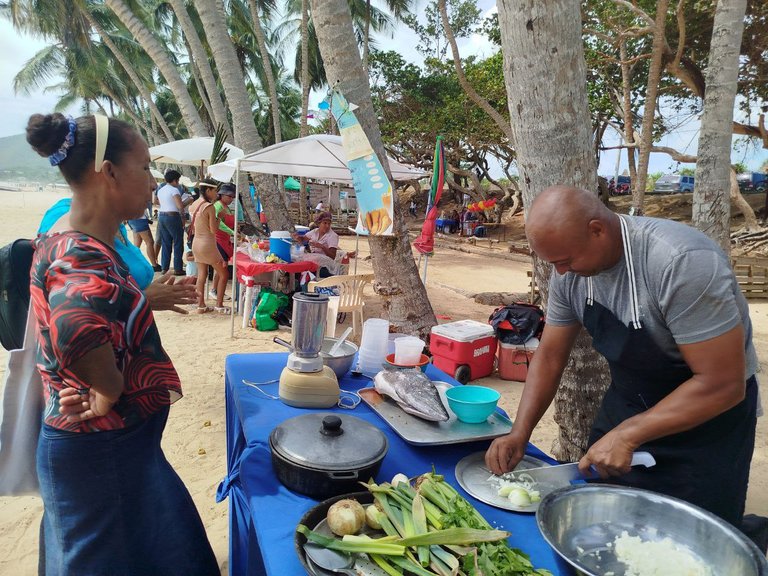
point(564, 474)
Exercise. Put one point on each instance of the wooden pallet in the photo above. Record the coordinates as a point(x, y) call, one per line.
point(752, 279)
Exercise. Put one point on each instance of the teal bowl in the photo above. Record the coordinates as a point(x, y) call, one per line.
point(472, 404)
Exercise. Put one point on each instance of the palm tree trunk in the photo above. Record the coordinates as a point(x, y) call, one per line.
point(246, 136)
point(545, 77)
point(200, 59)
point(266, 62)
point(367, 38)
point(649, 107)
point(503, 125)
point(397, 278)
point(195, 71)
point(159, 56)
point(303, 126)
point(129, 69)
point(711, 200)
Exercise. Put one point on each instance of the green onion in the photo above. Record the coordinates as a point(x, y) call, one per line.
point(455, 536)
point(366, 546)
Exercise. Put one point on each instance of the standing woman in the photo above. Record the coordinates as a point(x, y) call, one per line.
point(113, 504)
point(225, 234)
point(205, 224)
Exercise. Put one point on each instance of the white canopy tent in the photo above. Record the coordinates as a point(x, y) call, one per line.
point(190, 152)
point(319, 156)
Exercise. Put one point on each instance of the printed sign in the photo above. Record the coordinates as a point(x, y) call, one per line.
point(372, 187)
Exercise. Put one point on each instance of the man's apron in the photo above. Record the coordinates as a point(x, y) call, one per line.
point(707, 465)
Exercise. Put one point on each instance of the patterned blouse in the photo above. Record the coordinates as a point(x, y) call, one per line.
point(83, 297)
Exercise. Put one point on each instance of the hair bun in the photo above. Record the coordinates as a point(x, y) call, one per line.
point(46, 133)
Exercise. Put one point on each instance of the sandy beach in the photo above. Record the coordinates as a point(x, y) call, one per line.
point(194, 440)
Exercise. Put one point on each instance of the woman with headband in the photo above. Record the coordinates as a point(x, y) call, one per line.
point(113, 504)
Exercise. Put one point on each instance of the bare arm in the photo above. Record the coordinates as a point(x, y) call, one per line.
point(179, 203)
point(543, 379)
point(98, 368)
point(213, 220)
point(717, 385)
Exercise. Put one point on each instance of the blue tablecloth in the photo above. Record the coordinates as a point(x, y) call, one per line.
point(447, 225)
point(264, 514)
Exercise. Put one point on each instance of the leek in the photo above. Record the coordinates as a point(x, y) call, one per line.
point(454, 536)
point(355, 545)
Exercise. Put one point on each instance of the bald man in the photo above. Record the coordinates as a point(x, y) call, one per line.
point(663, 307)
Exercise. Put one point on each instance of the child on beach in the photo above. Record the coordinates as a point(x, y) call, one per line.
point(113, 504)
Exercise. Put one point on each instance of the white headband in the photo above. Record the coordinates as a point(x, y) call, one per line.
point(102, 135)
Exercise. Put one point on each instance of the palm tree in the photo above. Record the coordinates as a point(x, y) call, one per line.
point(246, 135)
point(162, 60)
point(266, 7)
point(541, 116)
point(397, 279)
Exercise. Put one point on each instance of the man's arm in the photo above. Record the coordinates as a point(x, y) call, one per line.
point(544, 374)
point(717, 384)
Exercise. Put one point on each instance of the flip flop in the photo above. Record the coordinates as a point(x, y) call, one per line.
point(203, 309)
point(223, 309)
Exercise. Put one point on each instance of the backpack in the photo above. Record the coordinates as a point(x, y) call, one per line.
point(15, 264)
point(517, 323)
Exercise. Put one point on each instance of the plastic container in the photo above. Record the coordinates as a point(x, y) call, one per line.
point(280, 244)
point(514, 361)
point(464, 349)
point(301, 230)
point(472, 404)
point(333, 312)
point(408, 350)
point(373, 344)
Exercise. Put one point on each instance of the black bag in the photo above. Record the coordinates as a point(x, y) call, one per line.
point(517, 323)
point(15, 264)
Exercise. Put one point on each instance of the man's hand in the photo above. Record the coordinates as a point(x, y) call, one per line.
point(169, 292)
point(611, 455)
point(79, 406)
point(505, 453)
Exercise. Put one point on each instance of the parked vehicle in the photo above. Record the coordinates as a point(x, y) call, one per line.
point(752, 182)
point(673, 184)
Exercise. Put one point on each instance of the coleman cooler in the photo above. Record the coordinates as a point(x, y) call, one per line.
point(465, 349)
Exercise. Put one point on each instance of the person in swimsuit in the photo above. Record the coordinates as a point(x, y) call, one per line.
point(205, 224)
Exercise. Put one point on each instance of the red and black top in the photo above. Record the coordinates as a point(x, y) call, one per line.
point(83, 296)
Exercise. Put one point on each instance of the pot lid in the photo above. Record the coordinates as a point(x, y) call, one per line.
point(327, 441)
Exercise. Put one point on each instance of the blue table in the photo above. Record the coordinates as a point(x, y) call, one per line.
point(264, 513)
point(446, 225)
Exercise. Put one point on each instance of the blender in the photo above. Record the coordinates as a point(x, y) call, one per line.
point(306, 382)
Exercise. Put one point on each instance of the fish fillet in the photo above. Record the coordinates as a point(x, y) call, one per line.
point(413, 392)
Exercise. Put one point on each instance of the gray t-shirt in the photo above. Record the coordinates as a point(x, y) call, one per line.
point(686, 289)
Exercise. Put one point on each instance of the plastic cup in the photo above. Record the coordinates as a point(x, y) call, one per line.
point(374, 339)
point(408, 350)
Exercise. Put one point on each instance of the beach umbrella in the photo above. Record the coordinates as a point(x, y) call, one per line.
point(425, 243)
point(190, 151)
point(292, 184)
point(156, 174)
point(319, 156)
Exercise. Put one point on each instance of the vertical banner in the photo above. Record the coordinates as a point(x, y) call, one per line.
point(372, 188)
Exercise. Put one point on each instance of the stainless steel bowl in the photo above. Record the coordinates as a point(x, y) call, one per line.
point(580, 521)
point(342, 362)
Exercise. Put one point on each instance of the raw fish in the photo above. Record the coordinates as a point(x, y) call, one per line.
point(413, 392)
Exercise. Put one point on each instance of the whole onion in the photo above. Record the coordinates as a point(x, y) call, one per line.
point(346, 517)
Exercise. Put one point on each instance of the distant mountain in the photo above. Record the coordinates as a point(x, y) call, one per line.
point(18, 162)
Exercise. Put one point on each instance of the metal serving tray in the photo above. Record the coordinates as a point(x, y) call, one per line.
point(420, 432)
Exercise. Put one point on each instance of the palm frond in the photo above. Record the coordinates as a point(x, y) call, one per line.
point(44, 65)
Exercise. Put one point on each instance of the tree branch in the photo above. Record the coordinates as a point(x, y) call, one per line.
point(681, 35)
point(638, 11)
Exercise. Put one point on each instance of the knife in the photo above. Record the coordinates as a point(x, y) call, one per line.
point(564, 474)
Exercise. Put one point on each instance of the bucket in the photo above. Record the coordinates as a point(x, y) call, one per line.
point(280, 245)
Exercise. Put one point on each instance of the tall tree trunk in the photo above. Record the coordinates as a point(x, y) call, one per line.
point(397, 278)
point(128, 109)
point(162, 60)
point(304, 126)
point(195, 71)
point(545, 77)
point(246, 136)
point(629, 117)
point(200, 56)
point(367, 37)
point(649, 111)
point(503, 125)
point(129, 69)
point(711, 198)
point(266, 63)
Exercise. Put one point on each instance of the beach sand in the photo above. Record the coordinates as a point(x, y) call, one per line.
point(194, 439)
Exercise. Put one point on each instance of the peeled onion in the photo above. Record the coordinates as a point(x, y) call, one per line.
point(372, 515)
point(346, 517)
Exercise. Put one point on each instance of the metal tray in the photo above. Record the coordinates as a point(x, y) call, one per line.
point(420, 432)
point(472, 475)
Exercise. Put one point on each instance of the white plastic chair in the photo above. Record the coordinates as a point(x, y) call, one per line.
point(351, 288)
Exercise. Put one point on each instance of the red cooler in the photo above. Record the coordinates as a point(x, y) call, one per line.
point(465, 349)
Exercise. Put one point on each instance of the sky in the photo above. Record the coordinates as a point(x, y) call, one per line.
point(17, 49)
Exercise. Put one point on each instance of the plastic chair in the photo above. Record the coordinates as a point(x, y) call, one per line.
point(351, 288)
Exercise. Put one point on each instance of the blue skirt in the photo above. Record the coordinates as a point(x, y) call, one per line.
point(114, 506)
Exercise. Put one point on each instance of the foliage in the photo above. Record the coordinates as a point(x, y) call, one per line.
point(687, 171)
point(650, 183)
point(738, 167)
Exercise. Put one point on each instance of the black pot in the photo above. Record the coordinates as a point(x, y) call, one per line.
point(323, 455)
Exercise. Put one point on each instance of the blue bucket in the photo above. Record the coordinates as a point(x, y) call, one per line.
point(280, 245)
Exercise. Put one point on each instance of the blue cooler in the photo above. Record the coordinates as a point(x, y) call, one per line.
point(301, 230)
point(280, 245)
